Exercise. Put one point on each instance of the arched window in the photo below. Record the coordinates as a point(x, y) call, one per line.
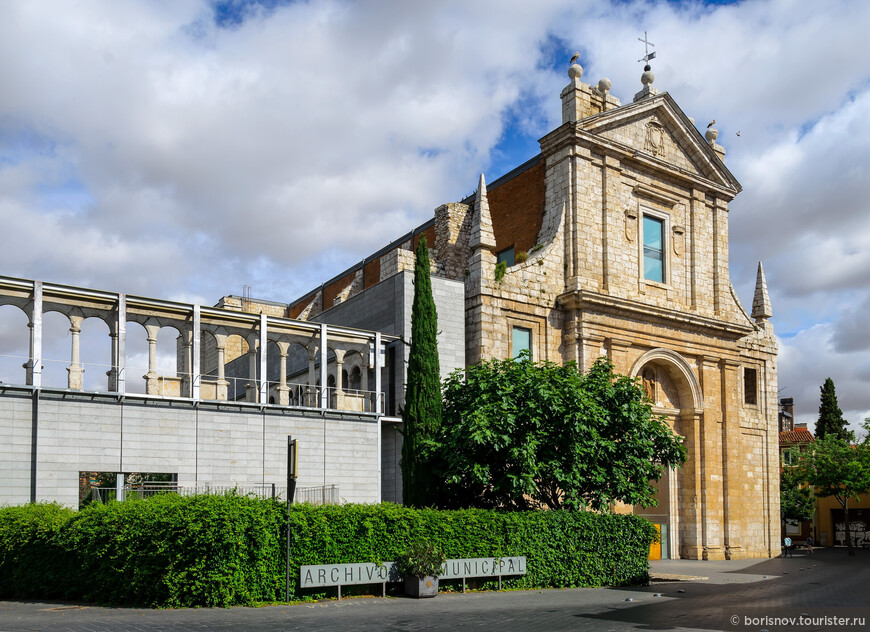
point(355, 382)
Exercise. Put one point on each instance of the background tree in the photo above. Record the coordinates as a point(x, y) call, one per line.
point(421, 415)
point(830, 416)
point(836, 468)
point(796, 498)
point(521, 435)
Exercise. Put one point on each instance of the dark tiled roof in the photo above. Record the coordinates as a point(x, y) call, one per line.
point(792, 437)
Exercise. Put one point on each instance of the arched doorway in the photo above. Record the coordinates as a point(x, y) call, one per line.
point(671, 385)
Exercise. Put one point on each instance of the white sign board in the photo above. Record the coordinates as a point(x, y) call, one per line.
point(483, 567)
point(319, 576)
point(347, 574)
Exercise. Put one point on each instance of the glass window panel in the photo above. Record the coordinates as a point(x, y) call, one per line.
point(522, 340)
point(652, 232)
point(653, 249)
point(506, 255)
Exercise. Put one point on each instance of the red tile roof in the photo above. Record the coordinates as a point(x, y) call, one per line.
point(792, 437)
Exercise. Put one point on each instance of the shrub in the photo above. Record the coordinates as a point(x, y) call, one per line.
point(421, 559)
point(500, 270)
point(229, 550)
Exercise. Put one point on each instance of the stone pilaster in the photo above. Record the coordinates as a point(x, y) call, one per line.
point(731, 470)
point(710, 435)
point(691, 519)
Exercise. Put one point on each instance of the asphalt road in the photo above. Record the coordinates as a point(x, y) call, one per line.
point(757, 595)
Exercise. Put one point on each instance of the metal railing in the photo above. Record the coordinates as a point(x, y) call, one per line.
point(103, 378)
point(319, 495)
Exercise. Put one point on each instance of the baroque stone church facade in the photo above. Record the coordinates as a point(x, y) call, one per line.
point(612, 241)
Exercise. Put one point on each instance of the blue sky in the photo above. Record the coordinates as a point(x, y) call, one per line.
point(183, 149)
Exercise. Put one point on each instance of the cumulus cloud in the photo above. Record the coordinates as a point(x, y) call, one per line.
point(150, 148)
point(313, 127)
point(807, 359)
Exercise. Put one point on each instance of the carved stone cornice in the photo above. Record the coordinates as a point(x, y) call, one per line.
point(586, 300)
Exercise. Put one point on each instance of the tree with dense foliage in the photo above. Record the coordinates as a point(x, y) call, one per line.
point(830, 416)
point(520, 435)
point(835, 467)
point(796, 499)
point(421, 415)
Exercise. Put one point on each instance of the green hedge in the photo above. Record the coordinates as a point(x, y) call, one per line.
point(229, 550)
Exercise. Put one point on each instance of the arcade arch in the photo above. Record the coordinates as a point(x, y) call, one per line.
point(14, 351)
point(669, 382)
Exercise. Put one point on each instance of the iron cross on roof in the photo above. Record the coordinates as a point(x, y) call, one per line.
point(646, 44)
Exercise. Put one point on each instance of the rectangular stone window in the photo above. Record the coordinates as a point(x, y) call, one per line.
point(750, 386)
point(521, 341)
point(653, 249)
point(506, 255)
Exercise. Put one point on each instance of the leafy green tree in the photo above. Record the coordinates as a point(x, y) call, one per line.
point(836, 468)
point(520, 435)
point(421, 415)
point(796, 499)
point(830, 416)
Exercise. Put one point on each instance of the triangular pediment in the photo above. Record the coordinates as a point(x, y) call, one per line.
point(657, 128)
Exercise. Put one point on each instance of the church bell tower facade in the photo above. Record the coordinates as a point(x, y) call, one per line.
point(631, 262)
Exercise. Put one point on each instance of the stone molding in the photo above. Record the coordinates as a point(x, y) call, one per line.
point(583, 299)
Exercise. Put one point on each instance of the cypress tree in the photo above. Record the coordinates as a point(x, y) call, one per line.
point(830, 416)
point(421, 415)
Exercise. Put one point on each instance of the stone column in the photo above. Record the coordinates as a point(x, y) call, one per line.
point(222, 383)
point(282, 388)
point(152, 379)
point(364, 373)
point(112, 373)
point(251, 390)
point(33, 366)
point(75, 370)
point(339, 385)
point(187, 376)
point(311, 398)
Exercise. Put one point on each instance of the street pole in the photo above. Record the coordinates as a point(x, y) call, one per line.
point(292, 473)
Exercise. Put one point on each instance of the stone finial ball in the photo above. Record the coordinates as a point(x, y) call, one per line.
point(711, 135)
point(604, 85)
point(647, 77)
point(575, 71)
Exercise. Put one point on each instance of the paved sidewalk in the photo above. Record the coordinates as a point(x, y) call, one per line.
point(734, 588)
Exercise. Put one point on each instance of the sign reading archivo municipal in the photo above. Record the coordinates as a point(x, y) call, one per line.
point(368, 573)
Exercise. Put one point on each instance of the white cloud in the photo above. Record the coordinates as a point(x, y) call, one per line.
point(144, 149)
point(807, 359)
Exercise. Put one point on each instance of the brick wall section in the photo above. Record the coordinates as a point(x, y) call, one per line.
point(372, 273)
point(334, 289)
point(430, 238)
point(517, 210)
point(299, 306)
